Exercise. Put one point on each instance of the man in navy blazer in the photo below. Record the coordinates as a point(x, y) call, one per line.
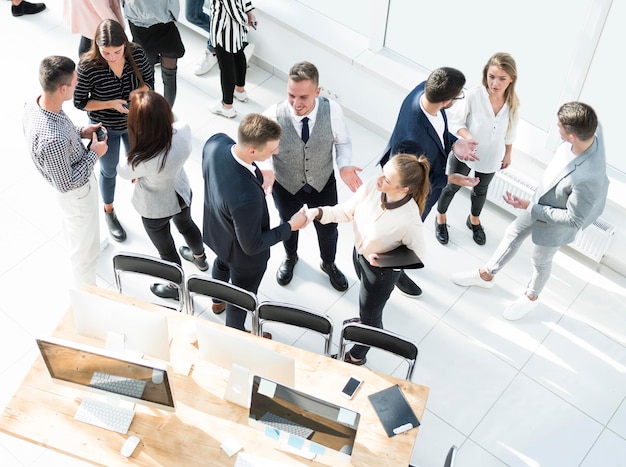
point(422, 129)
point(236, 224)
point(571, 196)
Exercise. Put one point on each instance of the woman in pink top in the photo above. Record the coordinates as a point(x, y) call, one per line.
point(84, 16)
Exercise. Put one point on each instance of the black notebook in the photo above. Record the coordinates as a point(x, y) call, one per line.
point(394, 411)
point(401, 257)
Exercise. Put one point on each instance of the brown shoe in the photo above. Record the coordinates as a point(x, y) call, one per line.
point(218, 308)
point(266, 335)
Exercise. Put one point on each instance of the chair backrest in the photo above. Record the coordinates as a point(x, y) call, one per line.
point(381, 339)
point(136, 263)
point(220, 290)
point(296, 316)
point(451, 457)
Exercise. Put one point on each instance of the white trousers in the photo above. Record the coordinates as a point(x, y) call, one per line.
point(80, 220)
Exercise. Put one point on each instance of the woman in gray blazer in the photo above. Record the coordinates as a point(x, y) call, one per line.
point(159, 147)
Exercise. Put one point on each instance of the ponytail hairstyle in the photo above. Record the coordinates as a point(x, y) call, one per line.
point(413, 172)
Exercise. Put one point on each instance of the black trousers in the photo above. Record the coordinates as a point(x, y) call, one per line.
point(232, 71)
point(376, 287)
point(479, 192)
point(248, 278)
point(159, 232)
point(288, 204)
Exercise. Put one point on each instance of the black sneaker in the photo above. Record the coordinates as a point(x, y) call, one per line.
point(407, 286)
point(164, 291)
point(441, 233)
point(27, 8)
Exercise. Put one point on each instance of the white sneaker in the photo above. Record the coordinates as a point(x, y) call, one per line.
point(248, 52)
point(241, 96)
point(519, 308)
point(469, 278)
point(205, 63)
point(219, 109)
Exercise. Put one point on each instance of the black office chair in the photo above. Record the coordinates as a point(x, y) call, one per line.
point(358, 333)
point(295, 315)
point(136, 263)
point(451, 457)
point(224, 291)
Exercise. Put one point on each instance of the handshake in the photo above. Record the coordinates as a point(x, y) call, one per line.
point(303, 218)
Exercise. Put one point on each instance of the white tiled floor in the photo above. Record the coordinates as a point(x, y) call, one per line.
point(548, 390)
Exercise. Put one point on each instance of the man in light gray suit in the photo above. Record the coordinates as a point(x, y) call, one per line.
point(570, 197)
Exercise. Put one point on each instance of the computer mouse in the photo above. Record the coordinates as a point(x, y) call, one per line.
point(129, 446)
point(157, 376)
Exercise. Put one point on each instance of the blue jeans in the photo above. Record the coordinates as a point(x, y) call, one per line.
point(541, 259)
point(195, 15)
point(108, 164)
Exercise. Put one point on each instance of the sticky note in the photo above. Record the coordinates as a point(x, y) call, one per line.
point(267, 388)
point(272, 432)
point(317, 449)
point(295, 442)
point(346, 416)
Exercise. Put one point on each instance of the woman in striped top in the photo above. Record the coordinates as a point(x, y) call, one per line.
point(230, 20)
point(108, 75)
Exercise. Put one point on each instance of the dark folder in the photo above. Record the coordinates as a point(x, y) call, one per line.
point(401, 257)
point(394, 411)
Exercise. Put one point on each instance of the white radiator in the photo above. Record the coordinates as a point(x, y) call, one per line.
point(592, 242)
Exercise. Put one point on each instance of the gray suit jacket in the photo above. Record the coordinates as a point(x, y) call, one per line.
point(576, 199)
point(155, 194)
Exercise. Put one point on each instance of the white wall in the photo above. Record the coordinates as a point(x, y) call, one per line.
point(371, 86)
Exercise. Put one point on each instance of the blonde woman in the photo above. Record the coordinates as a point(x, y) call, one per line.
point(488, 114)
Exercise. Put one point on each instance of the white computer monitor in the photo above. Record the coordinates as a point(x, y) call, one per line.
point(76, 365)
point(225, 349)
point(124, 327)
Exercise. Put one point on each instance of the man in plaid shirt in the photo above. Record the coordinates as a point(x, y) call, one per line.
point(59, 154)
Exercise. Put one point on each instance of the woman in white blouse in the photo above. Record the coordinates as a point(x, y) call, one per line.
point(159, 148)
point(488, 114)
point(386, 212)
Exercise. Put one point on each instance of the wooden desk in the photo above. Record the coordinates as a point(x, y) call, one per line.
point(42, 411)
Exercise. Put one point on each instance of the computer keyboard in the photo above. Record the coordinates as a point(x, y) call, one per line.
point(104, 415)
point(288, 426)
point(118, 384)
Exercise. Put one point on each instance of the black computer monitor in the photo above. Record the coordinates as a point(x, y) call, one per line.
point(104, 372)
point(295, 413)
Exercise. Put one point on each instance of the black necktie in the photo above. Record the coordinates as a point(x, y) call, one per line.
point(258, 174)
point(305, 129)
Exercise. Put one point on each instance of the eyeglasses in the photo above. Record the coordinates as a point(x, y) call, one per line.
point(458, 98)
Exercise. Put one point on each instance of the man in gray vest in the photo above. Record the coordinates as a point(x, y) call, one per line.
point(303, 171)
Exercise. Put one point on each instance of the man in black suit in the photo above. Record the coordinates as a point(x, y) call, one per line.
point(236, 222)
point(422, 129)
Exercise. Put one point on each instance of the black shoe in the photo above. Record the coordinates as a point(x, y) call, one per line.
point(27, 8)
point(477, 232)
point(188, 255)
point(407, 286)
point(441, 233)
point(115, 228)
point(337, 279)
point(285, 270)
point(164, 291)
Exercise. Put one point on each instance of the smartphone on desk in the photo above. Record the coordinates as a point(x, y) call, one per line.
point(351, 387)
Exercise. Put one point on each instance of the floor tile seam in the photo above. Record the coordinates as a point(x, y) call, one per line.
point(582, 461)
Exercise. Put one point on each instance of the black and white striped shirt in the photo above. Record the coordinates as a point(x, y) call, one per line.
point(101, 84)
point(228, 23)
point(56, 148)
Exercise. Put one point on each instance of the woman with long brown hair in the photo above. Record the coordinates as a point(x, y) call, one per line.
point(159, 148)
point(108, 75)
point(386, 212)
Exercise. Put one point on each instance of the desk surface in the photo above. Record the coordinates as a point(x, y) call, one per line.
point(42, 411)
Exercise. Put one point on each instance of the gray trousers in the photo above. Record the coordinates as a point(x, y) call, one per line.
point(541, 259)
